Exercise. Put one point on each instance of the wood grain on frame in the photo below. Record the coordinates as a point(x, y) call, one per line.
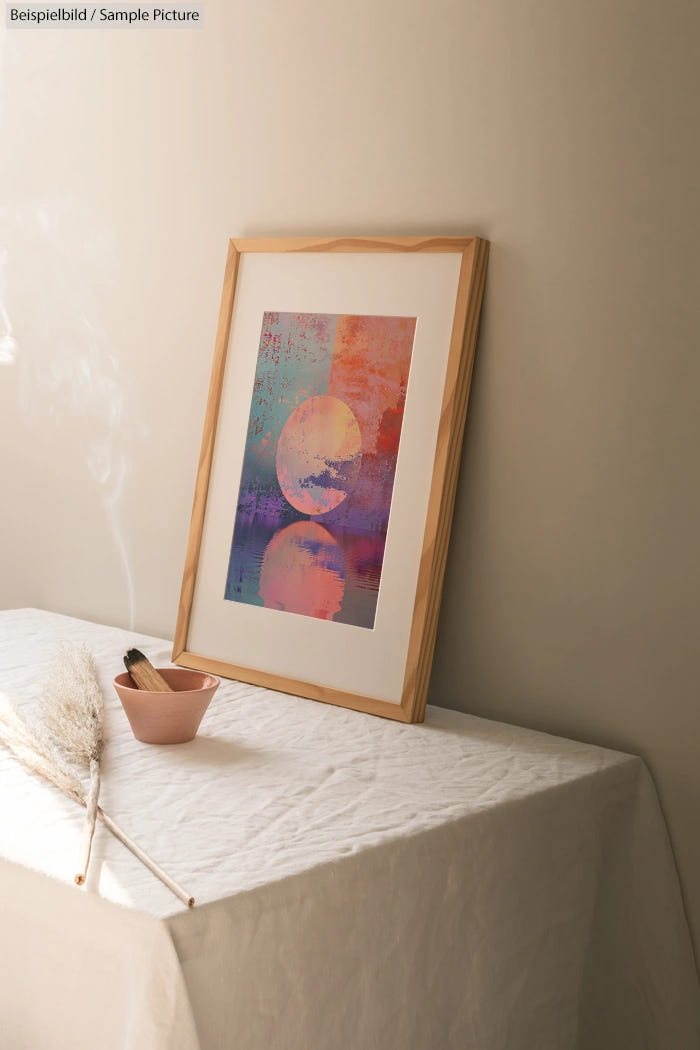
point(444, 484)
point(206, 454)
point(474, 252)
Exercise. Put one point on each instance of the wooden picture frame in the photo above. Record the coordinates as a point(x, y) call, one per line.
point(328, 467)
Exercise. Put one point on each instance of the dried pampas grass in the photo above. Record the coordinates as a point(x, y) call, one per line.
point(35, 749)
point(72, 710)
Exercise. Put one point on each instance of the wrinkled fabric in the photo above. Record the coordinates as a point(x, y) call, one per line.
point(359, 883)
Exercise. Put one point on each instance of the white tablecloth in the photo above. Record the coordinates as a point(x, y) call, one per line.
point(360, 884)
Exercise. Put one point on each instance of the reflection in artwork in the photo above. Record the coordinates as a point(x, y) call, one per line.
point(303, 571)
point(319, 464)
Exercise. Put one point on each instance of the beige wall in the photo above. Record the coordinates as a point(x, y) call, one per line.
point(564, 132)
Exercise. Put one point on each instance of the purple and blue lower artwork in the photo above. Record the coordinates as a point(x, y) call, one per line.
point(319, 464)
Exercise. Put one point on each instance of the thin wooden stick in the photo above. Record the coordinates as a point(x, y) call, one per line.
point(145, 859)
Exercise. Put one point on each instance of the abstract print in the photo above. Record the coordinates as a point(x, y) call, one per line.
point(319, 464)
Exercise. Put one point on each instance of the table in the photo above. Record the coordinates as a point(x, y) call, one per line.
point(361, 884)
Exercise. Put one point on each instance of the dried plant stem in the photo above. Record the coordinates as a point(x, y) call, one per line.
point(145, 859)
point(38, 755)
point(89, 825)
point(72, 709)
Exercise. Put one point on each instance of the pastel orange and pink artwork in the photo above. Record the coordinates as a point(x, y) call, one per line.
point(319, 465)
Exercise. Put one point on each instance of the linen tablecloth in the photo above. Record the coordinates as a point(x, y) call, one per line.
point(360, 884)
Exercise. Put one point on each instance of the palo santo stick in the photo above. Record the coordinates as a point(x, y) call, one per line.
point(144, 674)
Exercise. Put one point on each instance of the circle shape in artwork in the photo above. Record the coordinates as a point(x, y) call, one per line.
point(319, 454)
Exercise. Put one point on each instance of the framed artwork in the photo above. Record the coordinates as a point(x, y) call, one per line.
point(328, 466)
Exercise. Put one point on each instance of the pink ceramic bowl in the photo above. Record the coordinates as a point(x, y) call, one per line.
point(167, 718)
